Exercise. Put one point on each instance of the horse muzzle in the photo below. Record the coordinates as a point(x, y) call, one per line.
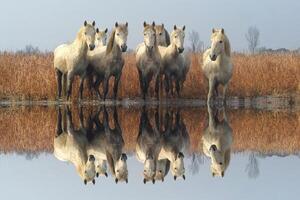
point(180, 50)
point(213, 57)
point(92, 47)
point(213, 148)
point(91, 158)
point(123, 157)
point(124, 48)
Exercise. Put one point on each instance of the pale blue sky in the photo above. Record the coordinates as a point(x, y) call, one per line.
point(49, 178)
point(47, 24)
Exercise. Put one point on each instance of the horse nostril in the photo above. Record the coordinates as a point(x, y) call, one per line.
point(213, 147)
point(221, 163)
point(92, 46)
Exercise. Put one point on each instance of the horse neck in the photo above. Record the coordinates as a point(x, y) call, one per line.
point(80, 46)
point(172, 50)
point(115, 52)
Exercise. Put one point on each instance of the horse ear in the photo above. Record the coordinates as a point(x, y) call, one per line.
point(116, 24)
point(94, 181)
point(85, 23)
point(153, 23)
point(116, 180)
point(213, 174)
point(145, 24)
point(106, 174)
point(183, 28)
point(213, 30)
point(162, 25)
point(162, 179)
point(97, 174)
point(222, 30)
point(94, 23)
point(85, 182)
point(153, 181)
point(175, 27)
point(144, 181)
point(222, 174)
point(126, 180)
point(105, 31)
point(97, 30)
point(126, 24)
point(183, 176)
point(175, 177)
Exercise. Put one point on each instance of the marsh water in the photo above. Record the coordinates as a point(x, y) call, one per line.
point(200, 153)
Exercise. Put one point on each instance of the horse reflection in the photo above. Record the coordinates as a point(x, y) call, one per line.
point(107, 143)
point(70, 145)
point(175, 141)
point(148, 145)
point(217, 141)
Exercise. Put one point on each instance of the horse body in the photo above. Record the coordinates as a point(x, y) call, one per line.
point(175, 66)
point(217, 66)
point(108, 60)
point(70, 59)
point(217, 141)
point(70, 145)
point(148, 146)
point(148, 60)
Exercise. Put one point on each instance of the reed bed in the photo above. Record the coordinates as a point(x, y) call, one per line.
point(32, 77)
point(33, 129)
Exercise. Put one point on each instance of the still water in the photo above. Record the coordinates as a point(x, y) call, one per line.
point(168, 152)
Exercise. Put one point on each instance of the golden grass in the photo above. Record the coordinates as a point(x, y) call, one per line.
point(33, 129)
point(33, 77)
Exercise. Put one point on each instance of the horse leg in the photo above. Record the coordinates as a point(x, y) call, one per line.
point(59, 82)
point(105, 87)
point(96, 87)
point(178, 88)
point(157, 80)
point(59, 123)
point(116, 85)
point(210, 92)
point(167, 84)
point(70, 79)
point(81, 87)
point(224, 93)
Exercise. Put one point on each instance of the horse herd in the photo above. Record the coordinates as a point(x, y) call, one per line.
point(96, 148)
point(159, 58)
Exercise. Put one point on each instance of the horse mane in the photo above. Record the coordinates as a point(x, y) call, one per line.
point(111, 163)
point(227, 157)
point(168, 41)
point(110, 42)
point(167, 169)
point(227, 46)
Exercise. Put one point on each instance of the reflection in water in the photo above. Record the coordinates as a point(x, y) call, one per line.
point(90, 148)
point(148, 146)
point(175, 142)
point(252, 167)
point(217, 141)
point(70, 144)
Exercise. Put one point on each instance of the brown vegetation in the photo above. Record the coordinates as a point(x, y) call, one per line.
point(33, 77)
point(33, 129)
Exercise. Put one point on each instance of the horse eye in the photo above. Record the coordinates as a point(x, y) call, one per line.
point(85, 33)
point(175, 36)
point(144, 34)
point(118, 34)
point(175, 168)
point(160, 33)
point(117, 170)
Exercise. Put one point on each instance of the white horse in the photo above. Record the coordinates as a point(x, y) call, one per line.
point(217, 141)
point(108, 61)
point(148, 60)
point(70, 59)
point(175, 66)
point(71, 145)
point(217, 66)
point(101, 37)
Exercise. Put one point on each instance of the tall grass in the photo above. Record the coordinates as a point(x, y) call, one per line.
point(33, 77)
point(33, 129)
